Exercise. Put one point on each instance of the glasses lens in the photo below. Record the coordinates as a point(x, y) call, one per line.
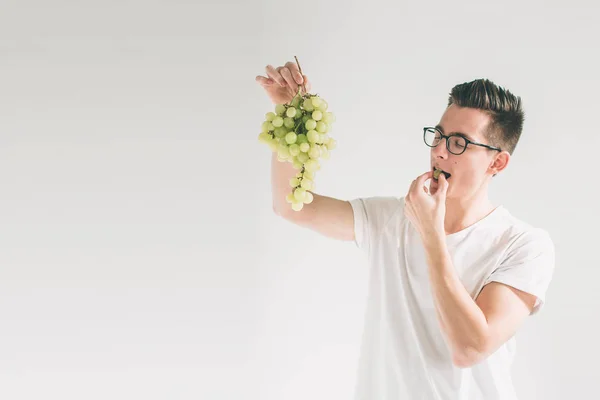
point(457, 144)
point(432, 137)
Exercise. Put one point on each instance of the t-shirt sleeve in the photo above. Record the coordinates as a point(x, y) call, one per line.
point(528, 265)
point(370, 216)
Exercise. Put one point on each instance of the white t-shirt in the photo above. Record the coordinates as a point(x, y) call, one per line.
point(404, 354)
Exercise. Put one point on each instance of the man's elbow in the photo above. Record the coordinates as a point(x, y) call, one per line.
point(469, 356)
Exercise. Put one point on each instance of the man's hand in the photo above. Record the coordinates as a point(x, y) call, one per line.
point(427, 212)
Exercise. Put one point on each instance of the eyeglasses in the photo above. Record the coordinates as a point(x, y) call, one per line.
point(456, 144)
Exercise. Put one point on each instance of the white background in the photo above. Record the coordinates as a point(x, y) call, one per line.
point(139, 255)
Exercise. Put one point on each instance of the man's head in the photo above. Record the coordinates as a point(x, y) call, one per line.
point(487, 115)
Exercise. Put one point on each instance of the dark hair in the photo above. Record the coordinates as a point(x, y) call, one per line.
point(504, 108)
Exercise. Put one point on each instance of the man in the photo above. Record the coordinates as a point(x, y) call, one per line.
point(452, 276)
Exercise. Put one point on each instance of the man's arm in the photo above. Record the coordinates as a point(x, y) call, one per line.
point(475, 329)
point(328, 216)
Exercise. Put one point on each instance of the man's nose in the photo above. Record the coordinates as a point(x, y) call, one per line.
point(440, 151)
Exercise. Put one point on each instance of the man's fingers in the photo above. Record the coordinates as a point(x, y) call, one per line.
point(264, 81)
point(275, 75)
point(295, 72)
point(287, 75)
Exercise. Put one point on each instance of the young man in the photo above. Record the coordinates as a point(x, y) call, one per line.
point(452, 276)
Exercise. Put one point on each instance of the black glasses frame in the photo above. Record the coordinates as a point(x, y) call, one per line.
point(425, 129)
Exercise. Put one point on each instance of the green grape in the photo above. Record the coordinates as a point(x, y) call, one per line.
point(305, 147)
point(290, 138)
point(316, 101)
point(317, 115)
point(294, 182)
point(310, 124)
point(294, 149)
point(291, 112)
point(328, 118)
point(269, 116)
point(323, 106)
point(289, 123)
point(321, 127)
point(331, 144)
point(311, 165)
point(299, 175)
point(308, 105)
point(312, 136)
point(296, 163)
point(290, 198)
point(277, 122)
point(296, 101)
point(299, 193)
point(273, 144)
point(297, 206)
point(314, 153)
point(307, 184)
point(264, 137)
point(267, 126)
point(324, 137)
point(308, 198)
point(303, 157)
point(280, 132)
point(302, 138)
point(283, 151)
point(305, 118)
point(308, 175)
point(279, 109)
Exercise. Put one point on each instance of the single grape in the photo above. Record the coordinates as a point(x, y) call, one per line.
point(294, 149)
point(294, 182)
point(331, 144)
point(283, 152)
point(291, 112)
point(305, 118)
point(317, 115)
point(296, 163)
point(269, 116)
point(308, 198)
point(289, 123)
point(308, 105)
point(302, 138)
point(323, 106)
point(328, 118)
point(321, 127)
point(296, 101)
point(312, 136)
point(306, 184)
point(290, 138)
point(277, 122)
point(311, 165)
point(297, 206)
point(273, 144)
point(290, 198)
point(303, 157)
point(280, 132)
point(308, 175)
point(299, 193)
point(305, 147)
point(267, 126)
point(316, 101)
point(279, 109)
point(314, 153)
point(264, 137)
point(310, 124)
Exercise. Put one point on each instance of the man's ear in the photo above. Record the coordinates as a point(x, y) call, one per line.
point(500, 162)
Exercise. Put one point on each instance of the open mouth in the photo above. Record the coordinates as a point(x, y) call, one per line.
point(437, 172)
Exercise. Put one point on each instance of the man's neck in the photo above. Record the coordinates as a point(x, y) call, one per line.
point(462, 213)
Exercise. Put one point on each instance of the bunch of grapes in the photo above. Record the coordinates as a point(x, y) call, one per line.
point(299, 133)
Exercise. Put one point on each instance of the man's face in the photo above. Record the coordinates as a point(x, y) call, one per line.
point(469, 169)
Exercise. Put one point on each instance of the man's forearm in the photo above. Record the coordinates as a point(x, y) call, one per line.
point(462, 320)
